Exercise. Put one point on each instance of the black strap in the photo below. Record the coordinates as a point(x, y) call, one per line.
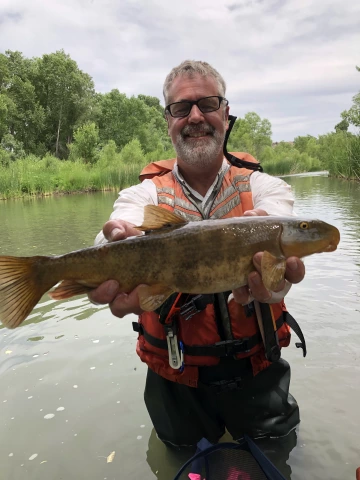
point(164, 309)
point(238, 162)
point(228, 347)
point(225, 348)
point(271, 339)
point(290, 320)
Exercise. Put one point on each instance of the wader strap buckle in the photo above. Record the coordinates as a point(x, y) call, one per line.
point(229, 348)
point(197, 304)
point(176, 356)
point(226, 385)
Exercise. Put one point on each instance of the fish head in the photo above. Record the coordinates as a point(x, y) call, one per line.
point(302, 237)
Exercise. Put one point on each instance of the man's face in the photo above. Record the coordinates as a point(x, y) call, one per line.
point(198, 138)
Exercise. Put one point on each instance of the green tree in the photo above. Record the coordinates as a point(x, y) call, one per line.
point(301, 142)
point(66, 94)
point(86, 141)
point(13, 147)
point(342, 126)
point(251, 134)
point(122, 119)
point(108, 153)
point(353, 114)
point(152, 102)
point(24, 116)
point(3, 115)
point(132, 153)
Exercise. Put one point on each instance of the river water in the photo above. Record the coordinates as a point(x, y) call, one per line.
point(72, 384)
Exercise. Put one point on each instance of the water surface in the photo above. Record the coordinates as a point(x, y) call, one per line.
point(72, 384)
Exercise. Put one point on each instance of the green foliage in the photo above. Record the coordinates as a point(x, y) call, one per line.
point(132, 153)
point(13, 147)
point(3, 115)
point(85, 146)
point(5, 157)
point(49, 109)
point(341, 153)
point(152, 102)
point(342, 126)
point(353, 114)
point(43, 176)
point(20, 110)
point(285, 159)
point(251, 134)
point(66, 94)
point(300, 143)
point(121, 117)
point(108, 154)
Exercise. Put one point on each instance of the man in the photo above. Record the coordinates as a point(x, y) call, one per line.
point(240, 391)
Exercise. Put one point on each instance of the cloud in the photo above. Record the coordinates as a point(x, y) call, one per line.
point(292, 62)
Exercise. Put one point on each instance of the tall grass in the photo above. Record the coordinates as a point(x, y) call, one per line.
point(341, 152)
point(34, 176)
point(337, 152)
point(286, 160)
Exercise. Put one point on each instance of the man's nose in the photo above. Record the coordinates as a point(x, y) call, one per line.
point(195, 115)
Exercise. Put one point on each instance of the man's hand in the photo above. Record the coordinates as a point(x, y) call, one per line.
point(119, 230)
point(120, 303)
point(295, 272)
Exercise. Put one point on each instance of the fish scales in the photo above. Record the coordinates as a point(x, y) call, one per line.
point(206, 256)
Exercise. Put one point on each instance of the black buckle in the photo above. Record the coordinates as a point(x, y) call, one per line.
point(232, 347)
point(196, 305)
point(226, 385)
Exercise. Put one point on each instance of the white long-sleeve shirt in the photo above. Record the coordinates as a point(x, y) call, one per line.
point(268, 193)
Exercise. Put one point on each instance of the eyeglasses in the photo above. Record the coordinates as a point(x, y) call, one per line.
point(205, 105)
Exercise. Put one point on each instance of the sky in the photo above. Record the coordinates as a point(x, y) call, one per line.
point(290, 61)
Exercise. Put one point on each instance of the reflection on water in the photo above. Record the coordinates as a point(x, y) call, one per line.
point(72, 384)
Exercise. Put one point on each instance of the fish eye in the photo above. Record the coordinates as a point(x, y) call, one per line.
point(303, 225)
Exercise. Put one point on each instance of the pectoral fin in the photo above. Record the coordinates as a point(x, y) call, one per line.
point(272, 270)
point(151, 297)
point(157, 218)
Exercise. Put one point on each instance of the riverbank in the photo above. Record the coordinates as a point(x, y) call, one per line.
point(42, 177)
point(50, 176)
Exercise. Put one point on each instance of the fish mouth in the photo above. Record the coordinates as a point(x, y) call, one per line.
point(331, 248)
point(334, 241)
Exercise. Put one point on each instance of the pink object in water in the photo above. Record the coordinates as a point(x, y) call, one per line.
point(194, 476)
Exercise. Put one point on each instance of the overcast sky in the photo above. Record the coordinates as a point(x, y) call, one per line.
point(291, 61)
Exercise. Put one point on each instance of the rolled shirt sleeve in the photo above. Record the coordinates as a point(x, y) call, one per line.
point(129, 205)
point(271, 194)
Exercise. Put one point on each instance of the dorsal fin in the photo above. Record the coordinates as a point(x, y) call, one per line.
point(156, 218)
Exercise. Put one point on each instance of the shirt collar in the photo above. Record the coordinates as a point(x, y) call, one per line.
point(223, 169)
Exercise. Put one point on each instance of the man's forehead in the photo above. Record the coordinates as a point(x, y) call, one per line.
point(186, 86)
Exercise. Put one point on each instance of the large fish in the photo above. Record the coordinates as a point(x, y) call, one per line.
point(208, 256)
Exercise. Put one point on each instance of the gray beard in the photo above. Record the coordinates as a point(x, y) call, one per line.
point(205, 151)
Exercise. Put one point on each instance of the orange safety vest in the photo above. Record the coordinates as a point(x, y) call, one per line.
point(199, 335)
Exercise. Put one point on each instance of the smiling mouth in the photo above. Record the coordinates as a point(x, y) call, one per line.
point(197, 135)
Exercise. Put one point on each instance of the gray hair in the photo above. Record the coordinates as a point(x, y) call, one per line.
point(189, 68)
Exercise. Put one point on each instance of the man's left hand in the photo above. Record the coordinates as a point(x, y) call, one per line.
point(295, 272)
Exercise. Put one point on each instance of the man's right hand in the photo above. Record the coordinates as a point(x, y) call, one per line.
point(120, 303)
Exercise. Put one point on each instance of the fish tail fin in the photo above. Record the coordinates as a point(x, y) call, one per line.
point(22, 284)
